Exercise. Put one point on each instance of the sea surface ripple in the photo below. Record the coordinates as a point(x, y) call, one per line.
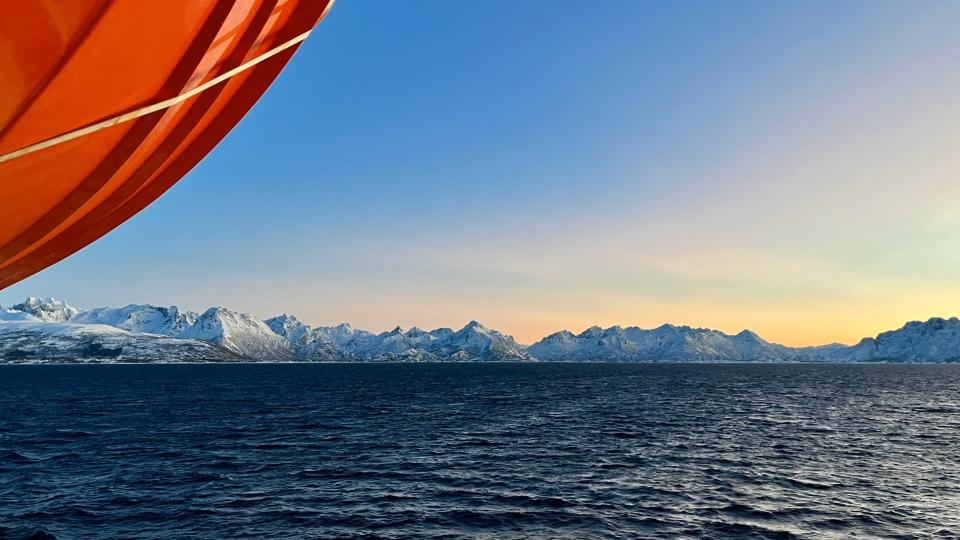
point(480, 451)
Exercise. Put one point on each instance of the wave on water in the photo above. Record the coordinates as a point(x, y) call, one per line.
point(494, 451)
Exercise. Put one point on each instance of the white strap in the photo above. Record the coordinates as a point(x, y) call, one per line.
point(165, 104)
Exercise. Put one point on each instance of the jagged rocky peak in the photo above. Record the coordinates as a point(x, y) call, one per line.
point(47, 309)
point(473, 328)
point(476, 342)
point(342, 342)
point(145, 318)
point(341, 333)
point(564, 336)
point(241, 333)
point(663, 343)
point(288, 326)
point(476, 331)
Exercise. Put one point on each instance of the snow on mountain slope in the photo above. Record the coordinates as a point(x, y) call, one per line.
point(304, 344)
point(36, 341)
point(49, 329)
point(229, 333)
point(13, 315)
point(475, 342)
point(342, 342)
point(241, 333)
point(935, 340)
point(167, 321)
point(288, 327)
point(46, 309)
point(665, 343)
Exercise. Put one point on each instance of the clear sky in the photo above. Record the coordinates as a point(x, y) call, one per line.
point(789, 167)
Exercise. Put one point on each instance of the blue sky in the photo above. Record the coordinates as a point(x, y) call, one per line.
point(788, 167)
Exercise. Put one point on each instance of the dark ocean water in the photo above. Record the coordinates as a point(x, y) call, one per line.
point(486, 451)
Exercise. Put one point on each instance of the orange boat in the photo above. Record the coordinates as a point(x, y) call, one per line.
point(106, 104)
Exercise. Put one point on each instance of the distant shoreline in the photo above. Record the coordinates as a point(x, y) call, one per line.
point(497, 362)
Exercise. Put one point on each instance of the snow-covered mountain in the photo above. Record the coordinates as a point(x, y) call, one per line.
point(936, 340)
point(667, 343)
point(26, 338)
point(56, 330)
point(167, 321)
point(240, 333)
point(473, 343)
point(46, 309)
point(60, 332)
point(39, 330)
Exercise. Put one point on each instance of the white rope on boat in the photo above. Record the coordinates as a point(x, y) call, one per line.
point(143, 111)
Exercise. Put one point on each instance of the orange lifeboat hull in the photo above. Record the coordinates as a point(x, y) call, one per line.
point(71, 64)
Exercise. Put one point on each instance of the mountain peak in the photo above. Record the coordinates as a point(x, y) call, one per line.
point(664, 343)
point(47, 309)
point(140, 318)
point(285, 320)
point(241, 333)
point(591, 332)
point(287, 326)
point(474, 327)
point(230, 334)
point(750, 335)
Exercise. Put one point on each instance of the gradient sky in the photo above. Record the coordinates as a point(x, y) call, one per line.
point(793, 168)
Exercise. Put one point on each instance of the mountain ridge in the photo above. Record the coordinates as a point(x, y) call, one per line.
point(144, 332)
point(47, 329)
